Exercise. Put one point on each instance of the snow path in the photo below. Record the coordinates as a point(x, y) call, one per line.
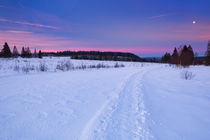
point(149, 102)
point(123, 116)
point(61, 105)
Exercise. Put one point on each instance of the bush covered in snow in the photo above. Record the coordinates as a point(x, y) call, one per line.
point(187, 75)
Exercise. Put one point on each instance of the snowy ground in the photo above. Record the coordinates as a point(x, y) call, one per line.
point(33, 65)
point(138, 101)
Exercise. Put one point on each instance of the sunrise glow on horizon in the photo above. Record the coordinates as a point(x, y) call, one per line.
point(146, 28)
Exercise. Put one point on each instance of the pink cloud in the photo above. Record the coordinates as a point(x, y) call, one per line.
point(4, 20)
point(28, 23)
point(18, 32)
point(182, 31)
point(53, 43)
point(23, 38)
point(206, 37)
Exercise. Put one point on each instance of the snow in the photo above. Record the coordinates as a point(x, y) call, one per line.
point(19, 65)
point(179, 108)
point(139, 101)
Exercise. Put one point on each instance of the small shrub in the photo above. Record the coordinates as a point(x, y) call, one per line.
point(42, 67)
point(16, 68)
point(68, 65)
point(100, 66)
point(187, 75)
point(122, 65)
point(26, 69)
point(116, 65)
point(83, 66)
point(65, 66)
point(92, 66)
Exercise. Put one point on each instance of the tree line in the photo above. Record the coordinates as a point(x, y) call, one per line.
point(185, 56)
point(88, 55)
point(25, 52)
point(96, 55)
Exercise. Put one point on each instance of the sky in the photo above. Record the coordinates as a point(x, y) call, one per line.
point(144, 27)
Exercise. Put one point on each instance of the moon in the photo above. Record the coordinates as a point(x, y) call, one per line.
point(194, 22)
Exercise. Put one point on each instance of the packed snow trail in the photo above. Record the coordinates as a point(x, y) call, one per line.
point(147, 102)
point(124, 116)
point(57, 105)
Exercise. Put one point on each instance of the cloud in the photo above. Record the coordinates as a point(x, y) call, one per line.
point(54, 43)
point(40, 41)
point(37, 25)
point(183, 31)
point(159, 16)
point(28, 23)
point(19, 32)
point(4, 20)
point(206, 37)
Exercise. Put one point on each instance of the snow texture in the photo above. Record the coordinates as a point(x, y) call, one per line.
point(140, 101)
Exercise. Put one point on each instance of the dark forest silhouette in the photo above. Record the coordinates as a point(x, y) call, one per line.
point(89, 55)
point(185, 56)
point(25, 52)
point(96, 55)
point(182, 56)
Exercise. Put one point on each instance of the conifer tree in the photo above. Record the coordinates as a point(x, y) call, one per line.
point(35, 53)
point(175, 57)
point(166, 58)
point(6, 52)
point(15, 52)
point(40, 54)
point(23, 53)
point(187, 56)
point(207, 58)
point(28, 52)
point(191, 54)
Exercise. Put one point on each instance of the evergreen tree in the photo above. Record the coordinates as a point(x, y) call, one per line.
point(35, 53)
point(207, 58)
point(28, 52)
point(191, 54)
point(166, 58)
point(15, 52)
point(183, 56)
point(187, 56)
point(40, 54)
point(175, 57)
point(23, 53)
point(6, 51)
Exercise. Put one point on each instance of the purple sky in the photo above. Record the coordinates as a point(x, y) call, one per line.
point(144, 27)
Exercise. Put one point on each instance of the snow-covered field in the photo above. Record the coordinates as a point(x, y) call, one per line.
point(53, 64)
point(139, 101)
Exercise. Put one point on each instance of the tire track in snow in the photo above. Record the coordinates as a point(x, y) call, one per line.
point(123, 116)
